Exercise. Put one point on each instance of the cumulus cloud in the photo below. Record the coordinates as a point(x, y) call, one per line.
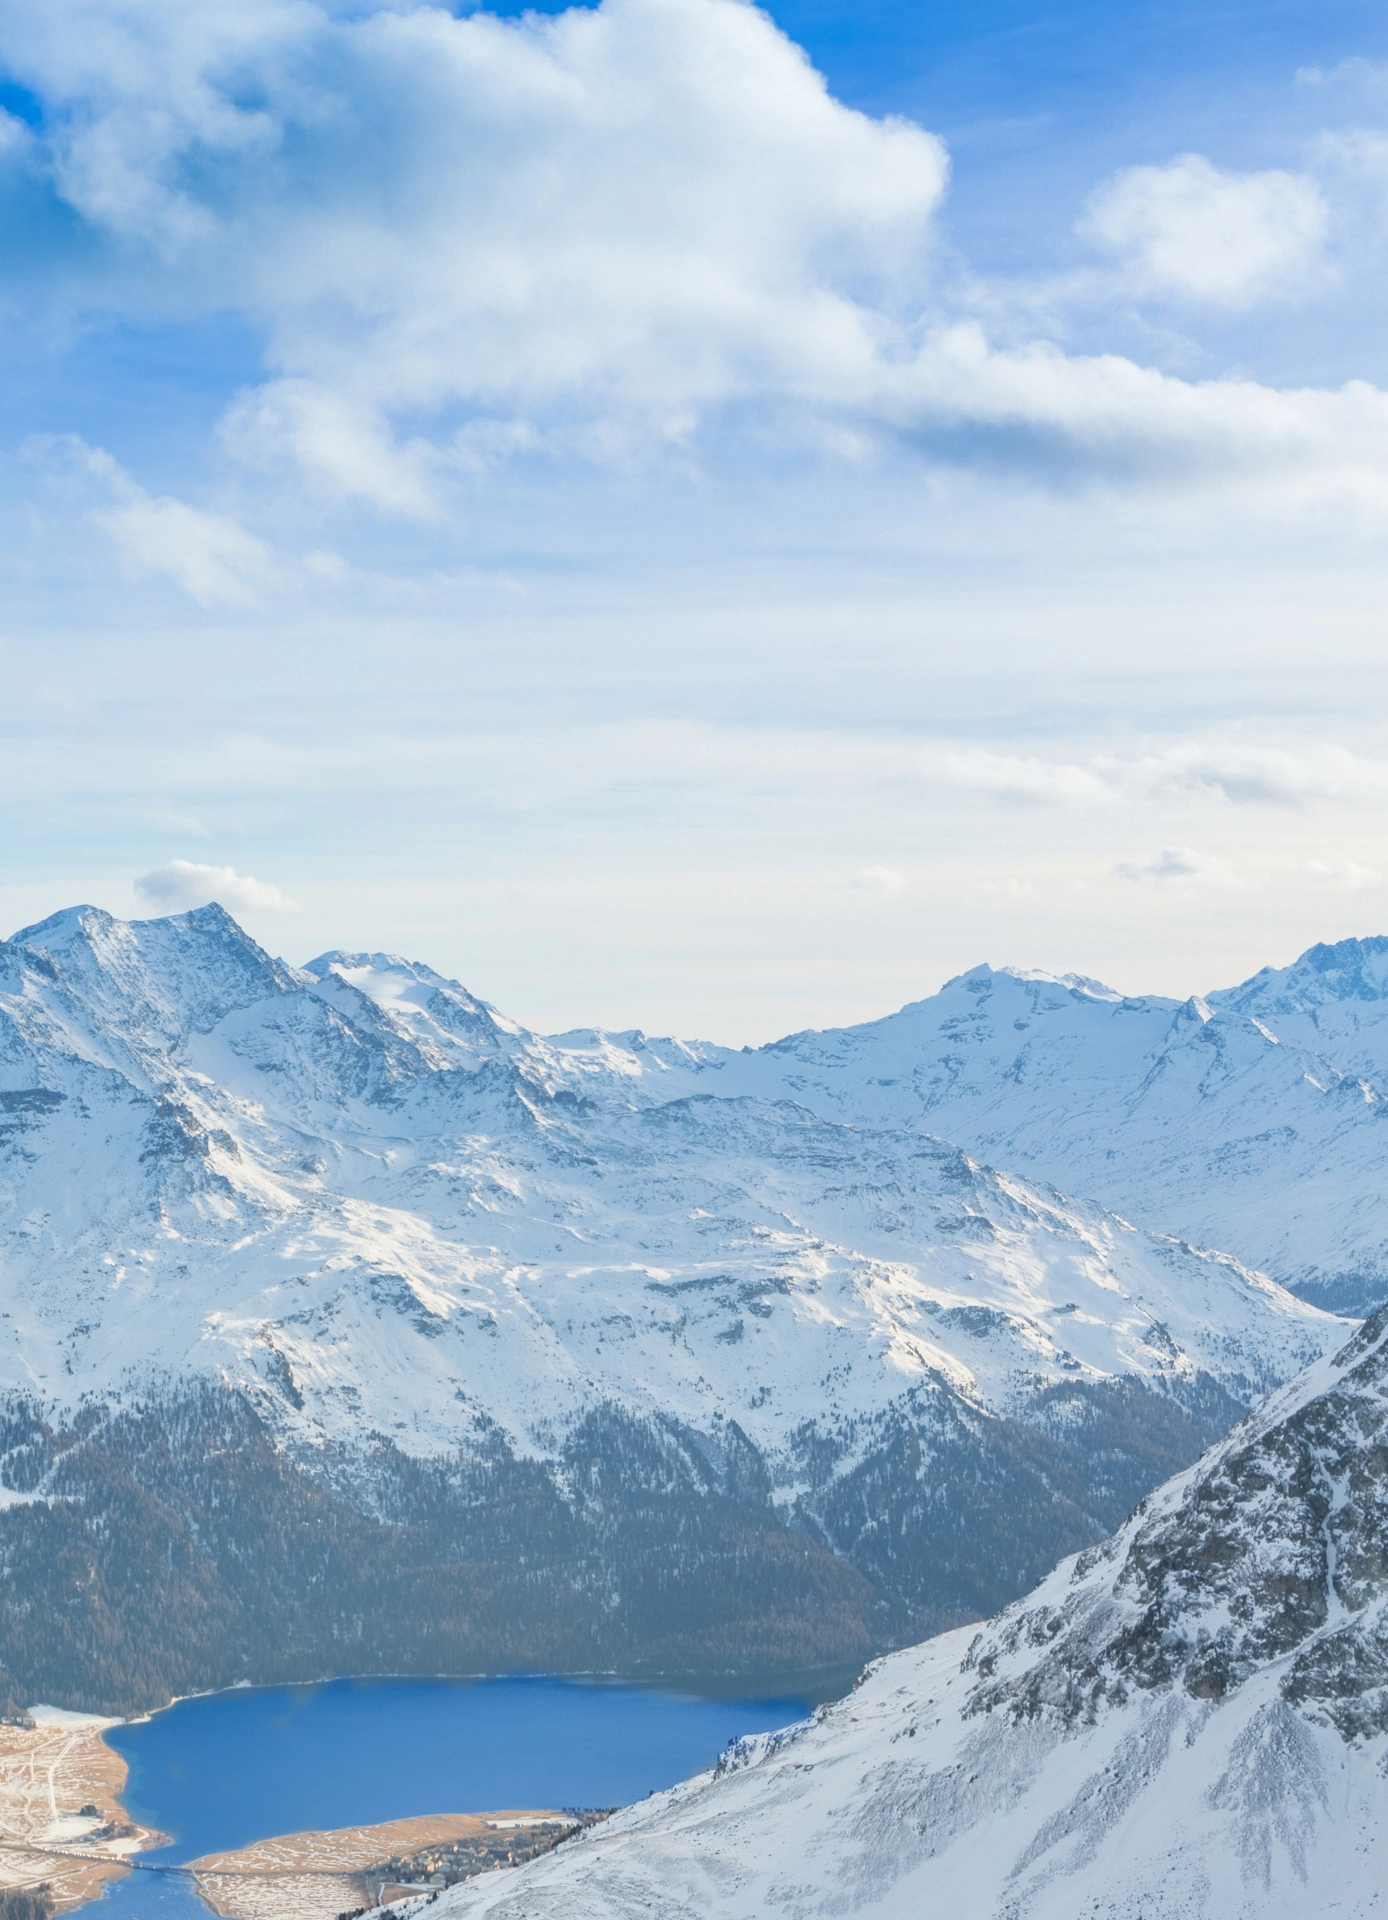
point(1043, 412)
point(638, 210)
point(607, 232)
point(1195, 233)
point(189, 883)
point(1248, 774)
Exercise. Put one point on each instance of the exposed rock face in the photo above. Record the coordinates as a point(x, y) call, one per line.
point(1273, 1548)
point(1188, 1723)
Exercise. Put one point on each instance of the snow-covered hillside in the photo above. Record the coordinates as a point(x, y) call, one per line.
point(391, 1218)
point(1251, 1119)
point(1188, 1722)
point(359, 1186)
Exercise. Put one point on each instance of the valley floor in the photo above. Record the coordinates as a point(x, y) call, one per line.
point(62, 1827)
point(317, 1876)
point(61, 1821)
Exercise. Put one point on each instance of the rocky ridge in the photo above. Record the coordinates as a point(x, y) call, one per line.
point(1190, 1720)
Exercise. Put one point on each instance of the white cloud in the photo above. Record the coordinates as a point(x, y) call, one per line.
point(1355, 72)
point(1239, 772)
point(878, 880)
point(1361, 151)
point(1345, 877)
point(209, 555)
point(633, 211)
point(1015, 778)
point(607, 232)
point(336, 439)
point(1179, 864)
point(1249, 774)
point(1193, 232)
point(188, 883)
point(1040, 411)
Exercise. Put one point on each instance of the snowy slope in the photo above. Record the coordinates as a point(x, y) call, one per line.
point(1191, 1721)
point(347, 1325)
point(381, 1204)
point(1251, 1119)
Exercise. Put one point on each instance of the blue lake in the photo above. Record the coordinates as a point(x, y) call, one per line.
point(230, 1768)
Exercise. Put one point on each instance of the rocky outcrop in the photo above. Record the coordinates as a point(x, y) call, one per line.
point(1185, 1723)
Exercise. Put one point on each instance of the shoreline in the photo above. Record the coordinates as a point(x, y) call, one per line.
point(814, 1683)
point(252, 1882)
point(63, 1822)
point(319, 1873)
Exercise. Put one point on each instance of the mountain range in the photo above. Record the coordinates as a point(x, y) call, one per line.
point(1247, 1118)
point(349, 1325)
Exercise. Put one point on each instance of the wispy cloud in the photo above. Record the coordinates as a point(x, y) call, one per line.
point(210, 555)
point(1240, 773)
point(1011, 777)
point(1001, 892)
point(1172, 865)
point(1355, 72)
point(1344, 877)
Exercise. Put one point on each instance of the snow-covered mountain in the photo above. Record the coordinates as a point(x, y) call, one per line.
point(335, 1181)
point(1189, 1721)
point(425, 1246)
point(1251, 1119)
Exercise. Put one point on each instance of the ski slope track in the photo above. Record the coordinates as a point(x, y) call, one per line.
point(1189, 1721)
point(451, 1270)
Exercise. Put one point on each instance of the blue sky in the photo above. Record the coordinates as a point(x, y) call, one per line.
point(676, 542)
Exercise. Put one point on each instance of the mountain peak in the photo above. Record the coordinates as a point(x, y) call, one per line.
point(60, 930)
point(980, 979)
point(162, 978)
point(425, 1000)
point(57, 933)
point(1331, 972)
point(339, 960)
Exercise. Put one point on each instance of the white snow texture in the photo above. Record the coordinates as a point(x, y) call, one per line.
point(381, 1205)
